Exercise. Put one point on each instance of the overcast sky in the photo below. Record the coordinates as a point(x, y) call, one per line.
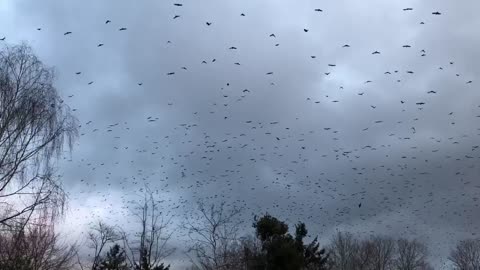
point(270, 124)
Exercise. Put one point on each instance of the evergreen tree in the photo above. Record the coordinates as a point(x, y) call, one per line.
point(115, 259)
point(282, 251)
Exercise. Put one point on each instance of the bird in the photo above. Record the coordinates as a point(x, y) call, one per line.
point(359, 205)
point(2, 39)
point(420, 103)
point(469, 82)
point(233, 48)
point(376, 52)
point(406, 46)
point(305, 30)
point(38, 29)
point(140, 84)
point(107, 21)
point(100, 45)
point(407, 9)
point(318, 10)
point(178, 5)
point(436, 13)
point(171, 73)
point(78, 72)
point(431, 92)
point(269, 73)
point(67, 33)
point(208, 23)
point(242, 14)
point(272, 35)
point(90, 83)
point(122, 29)
point(332, 65)
point(176, 16)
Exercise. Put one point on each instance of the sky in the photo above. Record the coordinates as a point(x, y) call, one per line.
point(285, 110)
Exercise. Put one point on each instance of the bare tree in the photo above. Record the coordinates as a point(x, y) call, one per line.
point(34, 126)
point(466, 255)
point(99, 238)
point(411, 255)
point(214, 234)
point(148, 248)
point(349, 252)
point(343, 251)
point(382, 252)
point(36, 247)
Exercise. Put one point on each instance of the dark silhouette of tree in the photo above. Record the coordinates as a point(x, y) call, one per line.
point(146, 249)
point(411, 255)
point(34, 126)
point(34, 247)
point(285, 252)
point(114, 260)
point(466, 255)
point(214, 233)
point(100, 236)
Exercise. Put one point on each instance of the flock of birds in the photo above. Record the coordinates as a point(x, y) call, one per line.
point(329, 173)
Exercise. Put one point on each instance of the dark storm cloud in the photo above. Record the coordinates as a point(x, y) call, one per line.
point(401, 160)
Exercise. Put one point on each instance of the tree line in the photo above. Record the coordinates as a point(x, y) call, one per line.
point(35, 127)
